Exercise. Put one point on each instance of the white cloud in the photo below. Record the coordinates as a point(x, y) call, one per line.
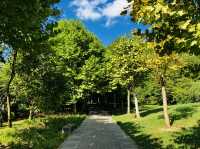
point(97, 9)
point(113, 10)
point(88, 14)
point(88, 9)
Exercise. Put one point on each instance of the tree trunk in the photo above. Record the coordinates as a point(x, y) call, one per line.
point(136, 106)
point(30, 114)
point(128, 101)
point(165, 106)
point(9, 112)
point(31, 109)
point(12, 75)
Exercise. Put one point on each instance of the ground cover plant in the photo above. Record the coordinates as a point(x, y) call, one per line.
point(42, 132)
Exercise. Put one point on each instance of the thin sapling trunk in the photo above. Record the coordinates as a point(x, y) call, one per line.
point(128, 101)
point(12, 76)
point(137, 112)
point(165, 105)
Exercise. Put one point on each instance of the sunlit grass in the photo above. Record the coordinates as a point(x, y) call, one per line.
point(150, 130)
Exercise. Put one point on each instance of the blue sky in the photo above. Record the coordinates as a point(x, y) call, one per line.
point(102, 17)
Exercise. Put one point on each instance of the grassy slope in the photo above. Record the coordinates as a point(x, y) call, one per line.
point(41, 133)
point(149, 132)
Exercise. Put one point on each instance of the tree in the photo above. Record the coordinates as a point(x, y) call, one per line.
point(25, 22)
point(174, 28)
point(39, 80)
point(163, 66)
point(93, 75)
point(127, 60)
point(174, 24)
point(78, 52)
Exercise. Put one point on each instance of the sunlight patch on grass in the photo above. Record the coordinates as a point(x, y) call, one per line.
point(150, 131)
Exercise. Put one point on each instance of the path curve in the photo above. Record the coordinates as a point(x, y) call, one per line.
point(98, 132)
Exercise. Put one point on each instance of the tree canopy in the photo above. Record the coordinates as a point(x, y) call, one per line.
point(52, 64)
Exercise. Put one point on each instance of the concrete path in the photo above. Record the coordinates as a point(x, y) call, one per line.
point(98, 132)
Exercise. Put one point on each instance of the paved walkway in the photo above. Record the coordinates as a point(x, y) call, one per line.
point(98, 132)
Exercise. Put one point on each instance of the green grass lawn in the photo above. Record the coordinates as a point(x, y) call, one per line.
point(149, 132)
point(40, 133)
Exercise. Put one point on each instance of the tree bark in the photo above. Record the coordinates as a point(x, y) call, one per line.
point(128, 101)
point(9, 112)
point(165, 106)
point(30, 114)
point(12, 76)
point(31, 109)
point(136, 106)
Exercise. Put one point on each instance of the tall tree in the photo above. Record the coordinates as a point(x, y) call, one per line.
point(174, 28)
point(78, 52)
point(41, 82)
point(22, 22)
point(127, 61)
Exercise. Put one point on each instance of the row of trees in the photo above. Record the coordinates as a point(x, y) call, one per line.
point(65, 67)
point(173, 38)
point(46, 65)
point(24, 26)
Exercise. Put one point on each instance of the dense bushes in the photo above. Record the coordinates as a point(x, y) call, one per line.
point(186, 91)
point(180, 90)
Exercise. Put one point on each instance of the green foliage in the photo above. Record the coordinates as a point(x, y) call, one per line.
point(52, 91)
point(192, 67)
point(149, 92)
point(186, 90)
point(3, 79)
point(49, 74)
point(174, 24)
point(79, 56)
point(25, 22)
point(52, 65)
point(38, 81)
point(93, 76)
point(127, 61)
point(174, 29)
point(38, 133)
